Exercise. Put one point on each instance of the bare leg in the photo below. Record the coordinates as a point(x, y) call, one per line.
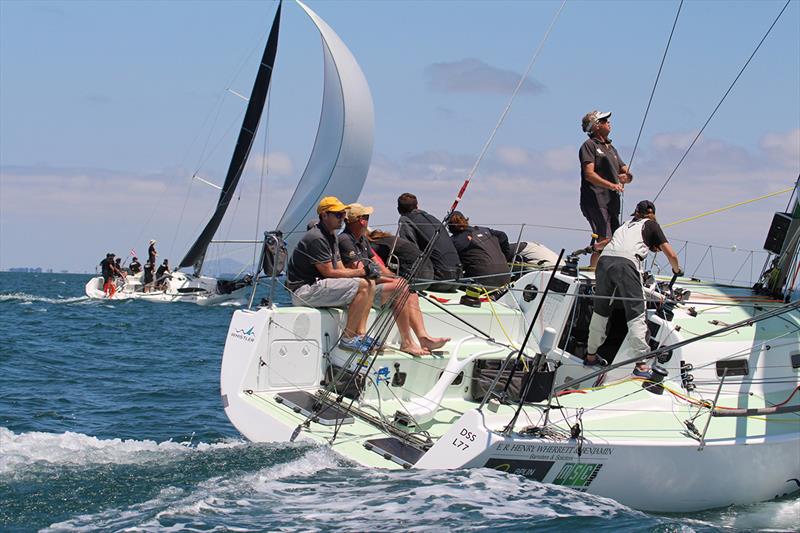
point(408, 342)
point(358, 311)
point(418, 325)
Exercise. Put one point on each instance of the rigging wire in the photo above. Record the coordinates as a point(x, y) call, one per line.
point(655, 84)
point(721, 209)
point(506, 110)
point(741, 71)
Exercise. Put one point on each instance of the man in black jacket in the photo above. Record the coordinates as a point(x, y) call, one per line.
point(481, 251)
point(420, 228)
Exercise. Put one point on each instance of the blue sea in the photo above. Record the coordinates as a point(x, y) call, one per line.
point(110, 419)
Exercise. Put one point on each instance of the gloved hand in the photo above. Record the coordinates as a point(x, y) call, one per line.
point(371, 270)
point(678, 273)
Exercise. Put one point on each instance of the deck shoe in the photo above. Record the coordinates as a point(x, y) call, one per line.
point(371, 342)
point(353, 344)
point(597, 361)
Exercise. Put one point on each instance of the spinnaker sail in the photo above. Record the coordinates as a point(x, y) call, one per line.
point(342, 151)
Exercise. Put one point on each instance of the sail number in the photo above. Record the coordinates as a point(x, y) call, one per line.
point(460, 441)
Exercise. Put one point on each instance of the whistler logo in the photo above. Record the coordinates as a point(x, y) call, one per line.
point(247, 335)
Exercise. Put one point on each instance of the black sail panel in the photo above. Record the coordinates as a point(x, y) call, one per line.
point(196, 254)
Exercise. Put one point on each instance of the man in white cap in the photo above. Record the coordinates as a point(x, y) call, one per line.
point(603, 179)
point(357, 253)
point(151, 252)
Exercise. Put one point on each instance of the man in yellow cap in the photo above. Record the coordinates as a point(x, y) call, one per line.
point(357, 254)
point(317, 278)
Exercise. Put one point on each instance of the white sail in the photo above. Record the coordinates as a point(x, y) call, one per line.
point(342, 152)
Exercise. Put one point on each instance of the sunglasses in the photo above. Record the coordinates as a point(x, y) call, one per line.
point(337, 214)
point(603, 121)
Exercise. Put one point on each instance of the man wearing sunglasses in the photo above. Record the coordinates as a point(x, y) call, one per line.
point(603, 179)
point(316, 276)
point(357, 254)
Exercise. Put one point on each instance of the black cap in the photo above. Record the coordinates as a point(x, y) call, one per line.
point(644, 207)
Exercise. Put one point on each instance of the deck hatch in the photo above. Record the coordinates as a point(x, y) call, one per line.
point(394, 449)
point(733, 367)
point(302, 402)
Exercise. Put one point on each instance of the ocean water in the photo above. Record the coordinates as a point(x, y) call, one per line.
point(110, 419)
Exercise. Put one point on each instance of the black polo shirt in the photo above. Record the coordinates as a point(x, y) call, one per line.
point(316, 246)
point(352, 249)
point(608, 165)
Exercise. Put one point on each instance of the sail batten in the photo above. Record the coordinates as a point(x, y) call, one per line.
point(255, 106)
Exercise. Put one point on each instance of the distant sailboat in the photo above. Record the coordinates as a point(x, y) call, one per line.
point(337, 166)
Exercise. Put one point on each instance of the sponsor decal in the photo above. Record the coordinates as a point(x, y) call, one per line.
point(535, 470)
point(247, 335)
point(553, 452)
point(577, 475)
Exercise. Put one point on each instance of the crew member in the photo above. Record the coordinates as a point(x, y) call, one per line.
point(420, 228)
point(316, 276)
point(603, 179)
point(619, 274)
point(162, 275)
point(149, 275)
point(107, 269)
point(400, 255)
point(357, 253)
point(480, 251)
point(135, 266)
point(151, 252)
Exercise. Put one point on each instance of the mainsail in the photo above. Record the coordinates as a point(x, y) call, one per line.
point(342, 151)
point(197, 253)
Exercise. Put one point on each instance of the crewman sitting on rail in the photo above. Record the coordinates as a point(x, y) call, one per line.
point(356, 253)
point(316, 276)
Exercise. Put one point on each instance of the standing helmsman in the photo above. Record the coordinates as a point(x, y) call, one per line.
point(603, 178)
point(619, 274)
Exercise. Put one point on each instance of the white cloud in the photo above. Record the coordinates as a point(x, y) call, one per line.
point(783, 148)
point(472, 75)
point(278, 163)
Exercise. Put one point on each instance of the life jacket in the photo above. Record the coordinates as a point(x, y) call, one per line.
point(628, 242)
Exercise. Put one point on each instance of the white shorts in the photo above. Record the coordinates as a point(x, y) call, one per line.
point(332, 292)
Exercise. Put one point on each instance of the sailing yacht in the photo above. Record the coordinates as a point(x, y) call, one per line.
point(195, 287)
point(717, 423)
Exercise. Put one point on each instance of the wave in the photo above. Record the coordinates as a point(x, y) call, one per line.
point(24, 452)
point(26, 298)
point(320, 491)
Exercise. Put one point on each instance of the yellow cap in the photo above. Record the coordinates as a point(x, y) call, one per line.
point(330, 203)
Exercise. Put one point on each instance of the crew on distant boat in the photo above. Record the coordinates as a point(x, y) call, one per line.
point(603, 179)
point(149, 275)
point(356, 253)
point(108, 270)
point(135, 266)
point(619, 275)
point(316, 276)
point(483, 251)
point(399, 255)
point(162, 275)
point(420, 227)
point(151, 252)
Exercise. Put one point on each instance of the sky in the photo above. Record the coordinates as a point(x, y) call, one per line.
point(107, 109)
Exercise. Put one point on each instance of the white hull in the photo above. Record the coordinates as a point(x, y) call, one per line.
point(635, 445)
point(182, 287)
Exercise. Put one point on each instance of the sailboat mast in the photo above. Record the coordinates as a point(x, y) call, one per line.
point(258, 96)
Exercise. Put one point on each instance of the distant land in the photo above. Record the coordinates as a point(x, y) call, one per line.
point(222, 268)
